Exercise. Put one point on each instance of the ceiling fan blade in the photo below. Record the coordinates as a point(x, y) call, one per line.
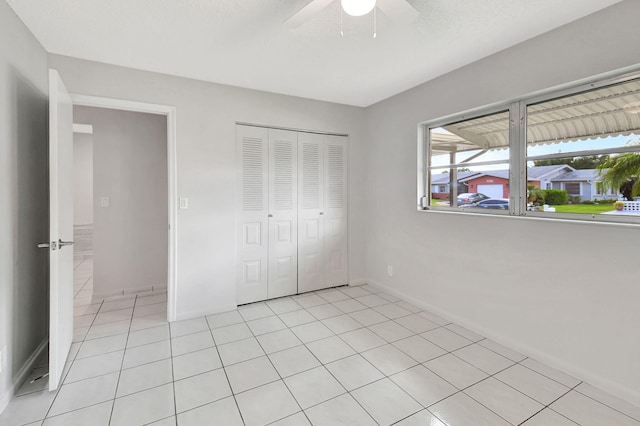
point(306, 13)
point(397, 10)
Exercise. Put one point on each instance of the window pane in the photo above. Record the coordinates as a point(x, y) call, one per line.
point(574, 143)
point(601, 119)
point(469, 161)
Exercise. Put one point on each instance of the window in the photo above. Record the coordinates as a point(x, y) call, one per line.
point(572, 188)
point(470, 163)
point(568, 154)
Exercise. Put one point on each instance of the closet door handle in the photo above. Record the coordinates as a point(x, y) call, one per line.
point(270, 215)
point(321, 213)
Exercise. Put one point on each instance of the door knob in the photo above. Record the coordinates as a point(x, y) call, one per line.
point(64, 243)
point(43, 245)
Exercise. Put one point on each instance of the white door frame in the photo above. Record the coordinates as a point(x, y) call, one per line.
point(170, 113)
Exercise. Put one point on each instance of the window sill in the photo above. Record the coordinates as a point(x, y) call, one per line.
point(624, 220)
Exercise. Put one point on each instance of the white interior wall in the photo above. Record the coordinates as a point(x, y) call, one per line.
point(82, 179)
point(24, 211)
point(205, 136)
point(130, 235)
point(543, 287)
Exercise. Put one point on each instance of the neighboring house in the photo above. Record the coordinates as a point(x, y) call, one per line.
point(495, 183)
point(440, 184)
point(543, 176)
point(582, 183)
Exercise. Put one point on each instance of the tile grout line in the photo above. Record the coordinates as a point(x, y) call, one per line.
point(124, 353)
point(542, 374)
point(63, 379)
point(449, 352)
point(72, 361)
point(321, 364)
point(347, 392)
point(173, 377)
point(548, 406)
point(605, 404)
point(274, 368)
point(384, 376)
point(233, 395)
point(484, 379)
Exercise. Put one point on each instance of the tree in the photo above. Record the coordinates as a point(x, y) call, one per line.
point(622, 173)
point(578, 163)
point(461, 169)
point(535, 195)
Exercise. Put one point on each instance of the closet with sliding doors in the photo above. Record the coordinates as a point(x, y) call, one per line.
point(291, 216)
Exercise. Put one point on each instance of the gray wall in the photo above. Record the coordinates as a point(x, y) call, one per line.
point(206, 165)
point(24, 212)
point(542, 287)
point(130, 167)
point(82, 179)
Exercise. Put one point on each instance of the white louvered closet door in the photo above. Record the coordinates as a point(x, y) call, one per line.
point(335, 211)
point(283, 213)
point(252, 211)
point(310, 212)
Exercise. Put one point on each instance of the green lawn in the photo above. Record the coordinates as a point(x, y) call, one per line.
point(566, 208)
point(584, 208)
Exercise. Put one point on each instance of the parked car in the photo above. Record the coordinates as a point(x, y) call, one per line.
point(470, 198)
point(492, 203)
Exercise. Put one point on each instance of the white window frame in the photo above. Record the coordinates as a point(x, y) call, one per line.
point(518, 154)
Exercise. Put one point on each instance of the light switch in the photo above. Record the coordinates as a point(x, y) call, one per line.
point(184, 203)
point(104, 202)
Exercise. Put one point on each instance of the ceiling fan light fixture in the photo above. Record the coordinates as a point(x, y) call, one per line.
point(358, 7)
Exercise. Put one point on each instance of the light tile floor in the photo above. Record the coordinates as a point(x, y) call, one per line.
point(349, 355)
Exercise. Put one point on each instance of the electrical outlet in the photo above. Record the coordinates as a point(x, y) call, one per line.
point(104, 202)
point(390, 270)
point(184, 203)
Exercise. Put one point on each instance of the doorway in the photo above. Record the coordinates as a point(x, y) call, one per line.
point(120, 221)
point(169, 113)
point(157, 310)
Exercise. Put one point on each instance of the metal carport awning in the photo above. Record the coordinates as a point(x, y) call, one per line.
point(608, 111)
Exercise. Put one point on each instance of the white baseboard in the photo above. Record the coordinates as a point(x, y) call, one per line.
point(195, 314)
point(357, 282)
point(28, 365)
point(130, 291)
point(22, 375)
point(630, 395)
point(5, 399)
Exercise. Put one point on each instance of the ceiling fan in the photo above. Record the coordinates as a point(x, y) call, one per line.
point(397, 10)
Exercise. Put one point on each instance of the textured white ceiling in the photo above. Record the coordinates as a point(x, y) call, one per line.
point(245, 43)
